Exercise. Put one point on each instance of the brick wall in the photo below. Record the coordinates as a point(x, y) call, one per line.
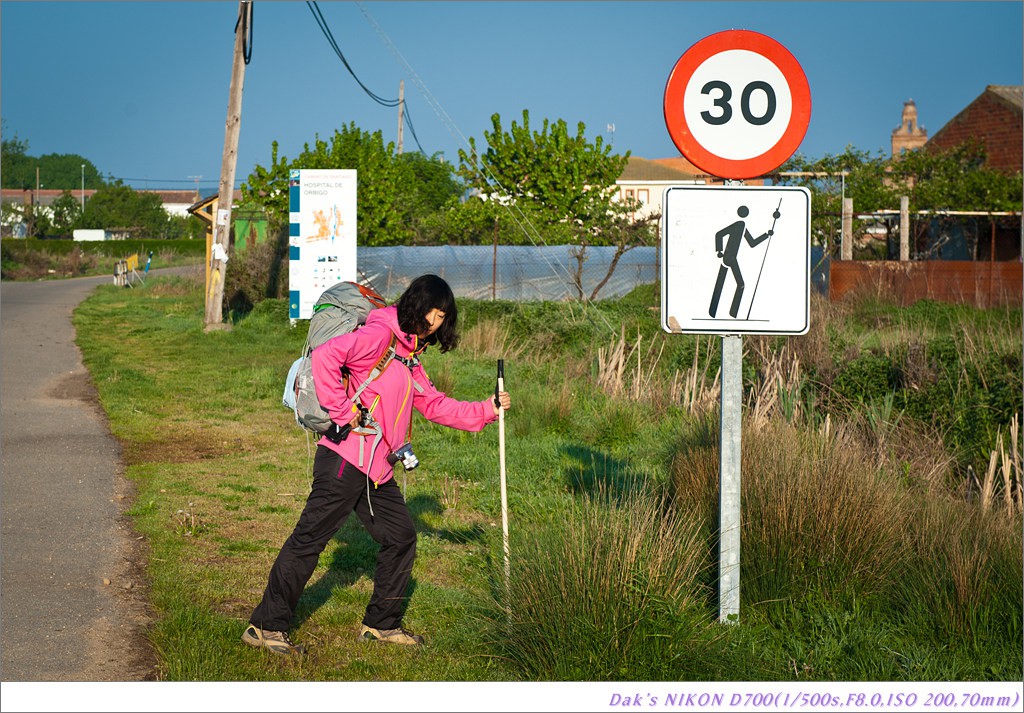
point(993, 120)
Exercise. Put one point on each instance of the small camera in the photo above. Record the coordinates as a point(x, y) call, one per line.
point(405, 455)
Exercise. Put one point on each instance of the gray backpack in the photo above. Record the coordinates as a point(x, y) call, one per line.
point(339, 310)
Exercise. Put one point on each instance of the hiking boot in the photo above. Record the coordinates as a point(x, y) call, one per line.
point(391, 636)
point(275, 641)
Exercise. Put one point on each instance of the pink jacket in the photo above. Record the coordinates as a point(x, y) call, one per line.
point(391, 397)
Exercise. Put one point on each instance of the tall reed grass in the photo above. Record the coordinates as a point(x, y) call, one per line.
point(815, 515)
point(611, 590)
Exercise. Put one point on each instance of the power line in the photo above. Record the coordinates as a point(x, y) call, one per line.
point(322, 22)
point(319, 17)
point(514, 211)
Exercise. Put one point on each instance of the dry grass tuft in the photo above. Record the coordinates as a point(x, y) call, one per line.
point(1007, 466)
point(632, 372)
point(489, 339)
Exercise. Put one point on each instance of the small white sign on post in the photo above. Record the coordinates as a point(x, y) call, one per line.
point(736, 260)
point(322, 235)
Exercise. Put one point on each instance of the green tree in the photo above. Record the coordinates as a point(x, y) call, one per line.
point(957, 179)
point(475, 221)
point(932, 180)
point(65, 171)
point(434, 183)
point(384, 184)
point(568, 176)
point(119, 206)
point(853, 174)
point(66, 212)
point(185, 227)
point(566, 179)
point(18, 168)
point(15, 163)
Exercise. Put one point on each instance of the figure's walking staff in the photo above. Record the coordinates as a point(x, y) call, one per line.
point(501, 457)
point(775, 216)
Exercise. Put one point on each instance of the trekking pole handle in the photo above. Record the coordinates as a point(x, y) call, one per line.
point(500, 385)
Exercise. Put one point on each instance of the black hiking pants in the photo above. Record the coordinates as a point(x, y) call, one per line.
point(338, 489)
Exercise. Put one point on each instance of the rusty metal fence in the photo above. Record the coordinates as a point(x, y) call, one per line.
point(982, 284)
point(969, 257)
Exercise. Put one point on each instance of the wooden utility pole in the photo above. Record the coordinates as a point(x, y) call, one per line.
point(222, 221)
point(401, 111)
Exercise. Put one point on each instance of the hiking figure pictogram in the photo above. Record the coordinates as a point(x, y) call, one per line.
point(728, 242)
point(762, 268)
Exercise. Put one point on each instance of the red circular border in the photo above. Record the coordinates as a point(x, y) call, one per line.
point(675, 119)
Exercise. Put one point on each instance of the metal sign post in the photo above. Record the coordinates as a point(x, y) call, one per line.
point(729, 479)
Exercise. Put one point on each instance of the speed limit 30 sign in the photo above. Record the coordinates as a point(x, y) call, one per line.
point(737, 104)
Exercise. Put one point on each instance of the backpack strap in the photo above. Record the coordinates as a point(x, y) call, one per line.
point(377, 370)
point(411, 361)
point(371, 426)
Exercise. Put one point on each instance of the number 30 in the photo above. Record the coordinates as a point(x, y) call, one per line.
point(722, 102)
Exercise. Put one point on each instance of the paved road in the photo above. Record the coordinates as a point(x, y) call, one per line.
point(72, 598)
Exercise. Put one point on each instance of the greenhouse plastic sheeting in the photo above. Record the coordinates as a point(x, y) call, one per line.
point(519, 273)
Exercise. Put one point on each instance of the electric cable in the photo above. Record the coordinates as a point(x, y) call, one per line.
point(391, 103)
point(412, 129)
point(315, 9)
point(521, 221)
point(247, 29)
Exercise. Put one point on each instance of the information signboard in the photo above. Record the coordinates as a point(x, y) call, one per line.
point(322, 234)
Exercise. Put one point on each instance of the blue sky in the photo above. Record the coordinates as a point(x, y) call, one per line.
point(141, 88)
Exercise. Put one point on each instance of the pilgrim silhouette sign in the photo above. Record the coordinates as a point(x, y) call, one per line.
point(736, 260)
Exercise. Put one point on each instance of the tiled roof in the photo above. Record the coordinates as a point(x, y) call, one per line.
point(642, 169)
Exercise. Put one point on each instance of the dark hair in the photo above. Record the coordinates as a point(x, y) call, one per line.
point(429, 292)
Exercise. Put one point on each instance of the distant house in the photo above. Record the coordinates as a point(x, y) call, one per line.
point(994, 117)
point(646, 181)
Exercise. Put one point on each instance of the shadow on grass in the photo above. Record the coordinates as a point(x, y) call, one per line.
point(357, 554)
point(596, 474)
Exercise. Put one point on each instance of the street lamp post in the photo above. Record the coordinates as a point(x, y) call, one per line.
point(83, 187)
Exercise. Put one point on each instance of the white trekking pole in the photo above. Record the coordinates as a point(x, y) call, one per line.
point(501, 457)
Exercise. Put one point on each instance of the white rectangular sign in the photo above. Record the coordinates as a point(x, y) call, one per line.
point(735, 260)
point(322, 234)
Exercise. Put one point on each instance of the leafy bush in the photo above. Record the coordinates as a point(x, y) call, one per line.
point(257, 273)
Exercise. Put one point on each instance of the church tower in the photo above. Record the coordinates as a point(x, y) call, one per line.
point(909, 135)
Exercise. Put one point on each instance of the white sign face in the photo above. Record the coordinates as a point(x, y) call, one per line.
point(322, 235)
point(736, 260)
point(737, 104)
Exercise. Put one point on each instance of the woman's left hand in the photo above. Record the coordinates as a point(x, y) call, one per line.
point(504, 399)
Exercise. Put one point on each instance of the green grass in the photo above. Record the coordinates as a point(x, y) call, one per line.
point(865, 556)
